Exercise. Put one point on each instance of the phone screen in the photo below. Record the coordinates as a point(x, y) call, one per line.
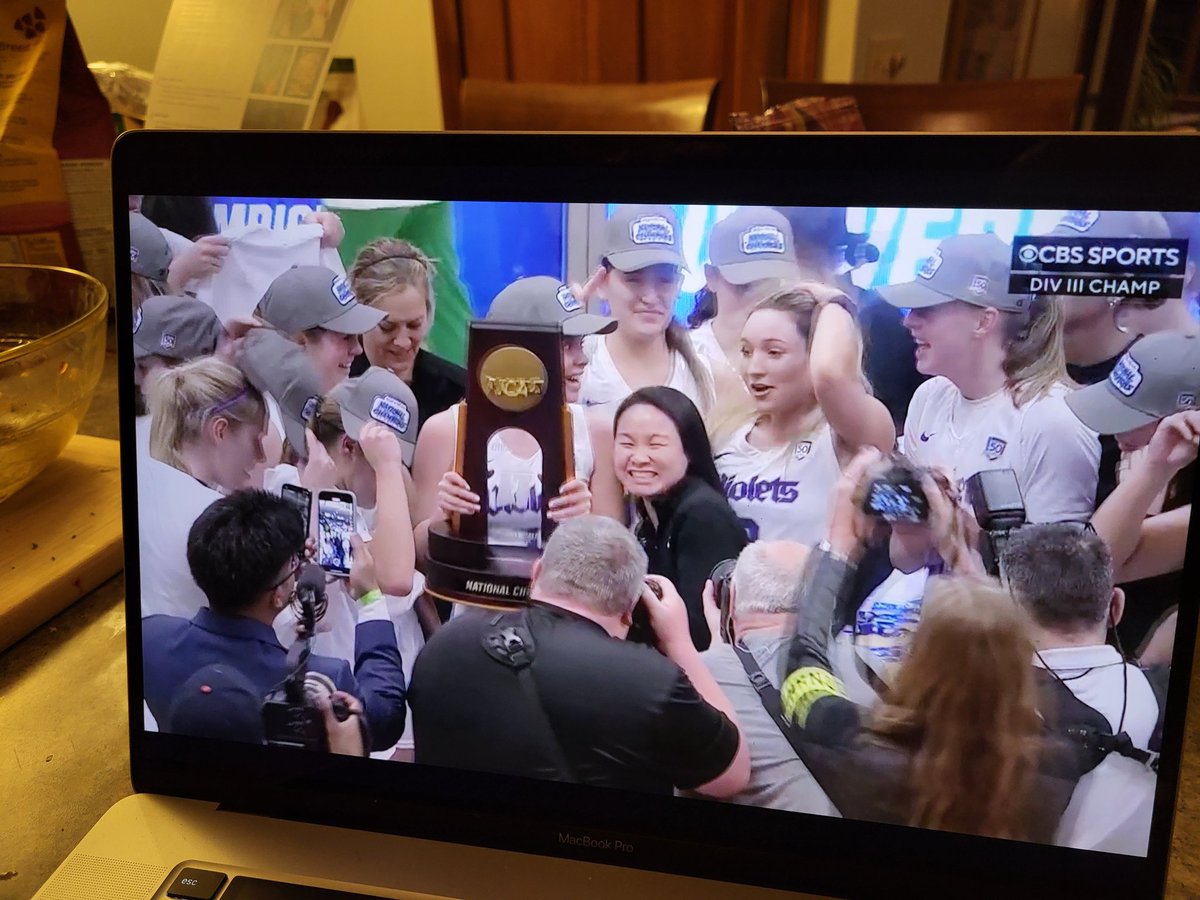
point(335, 521)
point(299, 497)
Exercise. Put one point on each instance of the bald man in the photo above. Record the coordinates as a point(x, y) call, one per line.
point(763, 594)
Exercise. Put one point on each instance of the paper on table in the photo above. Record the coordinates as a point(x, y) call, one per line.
point(231, 64)
point(258, 255)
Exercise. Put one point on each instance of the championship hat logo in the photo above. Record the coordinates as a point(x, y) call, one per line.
point(994, 448)
point(978, 285)
point(1186, 400)
point(651, 230)
point(1126, 375)
point(391, 411)
point(310, 407)
point(1080, 220)
point(342, 291)
point(932, 263)
point(762, 239)
point(134, 253)
point(167, 341)
point(137, 319)
point(803, 449)
point(566, 299)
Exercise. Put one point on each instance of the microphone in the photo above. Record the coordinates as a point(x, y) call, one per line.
point(311, 601)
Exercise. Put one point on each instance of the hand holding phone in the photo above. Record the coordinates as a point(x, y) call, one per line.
point(301, 498)
point(335, 524)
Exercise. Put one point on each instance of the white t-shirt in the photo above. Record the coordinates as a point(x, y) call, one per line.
point(603, 385)
point(257, 255)
point(169, 502)
point(1111, 806)
point(1055, 456)
point(782, 493)
point(704, 339)
point(515, 484)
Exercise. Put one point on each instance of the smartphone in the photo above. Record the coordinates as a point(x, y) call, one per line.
point(335, 524)
point(640, 630)
point(301, 498)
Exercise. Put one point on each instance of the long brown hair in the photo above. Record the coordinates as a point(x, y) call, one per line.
point(1034, 358)
point(964, 703)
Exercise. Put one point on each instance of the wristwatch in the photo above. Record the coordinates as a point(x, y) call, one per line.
point(827, 548)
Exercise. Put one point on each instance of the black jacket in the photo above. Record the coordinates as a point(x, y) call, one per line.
point(696, 530)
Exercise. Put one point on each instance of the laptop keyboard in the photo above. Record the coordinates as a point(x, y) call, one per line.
point(195, 883)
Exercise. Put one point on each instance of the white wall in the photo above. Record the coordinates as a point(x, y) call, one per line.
point(392, 42)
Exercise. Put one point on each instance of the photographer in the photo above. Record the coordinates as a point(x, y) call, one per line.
point(957, 742)
point(554, 690)
point(245, 552)
point(1062, 576)
point(761, 592)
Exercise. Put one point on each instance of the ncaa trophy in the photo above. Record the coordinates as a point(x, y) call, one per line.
point(515, 381)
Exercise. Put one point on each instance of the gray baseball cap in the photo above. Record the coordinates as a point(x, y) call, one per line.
point(638, 235)
point(1159, 375)
point(973, 268)
point(307, 297)
point(543, 300)
point(281, 368)
point(378, 395)
point(1111, 223)
point(753, 243)
point(179, 328)
point(149, 252)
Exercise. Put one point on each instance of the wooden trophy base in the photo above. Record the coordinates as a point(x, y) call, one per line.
point(467, 571)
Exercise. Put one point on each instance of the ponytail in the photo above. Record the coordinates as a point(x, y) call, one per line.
point(185, 398)
point(679, 342)
point(1034, 359)
point(326, 422)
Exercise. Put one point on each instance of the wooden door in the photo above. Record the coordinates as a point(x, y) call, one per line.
point(736, 41)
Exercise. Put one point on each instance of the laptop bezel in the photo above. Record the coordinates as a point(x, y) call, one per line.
point(693, 837)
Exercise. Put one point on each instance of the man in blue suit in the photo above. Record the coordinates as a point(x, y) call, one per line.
point(245, 552)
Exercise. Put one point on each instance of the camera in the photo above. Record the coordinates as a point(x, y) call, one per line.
point(290, 714)
point(995, 499)
point(897, 495)
point(722, 578)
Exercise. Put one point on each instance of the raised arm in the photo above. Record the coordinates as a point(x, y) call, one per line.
point(857, 418)
point(393, 536)
point(608, 499)
point(433, 457)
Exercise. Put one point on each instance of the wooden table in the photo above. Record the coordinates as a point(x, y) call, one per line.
point(64, 752)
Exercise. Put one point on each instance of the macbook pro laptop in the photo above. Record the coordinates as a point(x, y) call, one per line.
point(220, 817)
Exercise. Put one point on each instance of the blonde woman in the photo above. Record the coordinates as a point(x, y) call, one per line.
point(640, 274)
point(809, 412)
point(207, 424)
point(396, 278)
point(997, 398)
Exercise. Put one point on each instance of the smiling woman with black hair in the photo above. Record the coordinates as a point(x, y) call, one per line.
point(664, 461)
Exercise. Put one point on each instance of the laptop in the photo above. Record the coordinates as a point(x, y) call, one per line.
point(214, 817)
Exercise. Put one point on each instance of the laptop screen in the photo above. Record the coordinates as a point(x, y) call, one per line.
point(944, 443)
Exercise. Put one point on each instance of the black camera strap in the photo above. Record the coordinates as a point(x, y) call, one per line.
point(768, 694)
point(513, 645)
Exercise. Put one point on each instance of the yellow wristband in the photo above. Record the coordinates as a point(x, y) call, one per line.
point(370, 597)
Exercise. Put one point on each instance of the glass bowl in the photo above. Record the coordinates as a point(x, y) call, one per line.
point(52, 336)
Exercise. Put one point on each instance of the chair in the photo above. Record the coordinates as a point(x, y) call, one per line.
point(1034, 104)
point(527, 106)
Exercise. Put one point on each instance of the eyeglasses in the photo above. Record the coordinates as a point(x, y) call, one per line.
point(294, 569)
